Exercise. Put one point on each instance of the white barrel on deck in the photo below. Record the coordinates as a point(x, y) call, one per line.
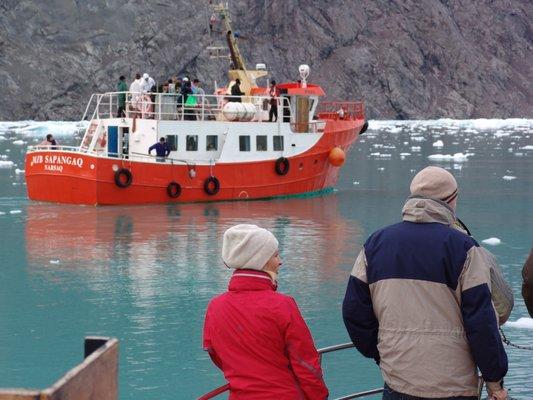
point(234, 111)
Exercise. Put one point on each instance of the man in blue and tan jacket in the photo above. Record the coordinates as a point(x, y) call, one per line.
point(419, 303)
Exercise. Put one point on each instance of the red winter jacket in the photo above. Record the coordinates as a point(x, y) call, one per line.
point(259, 339)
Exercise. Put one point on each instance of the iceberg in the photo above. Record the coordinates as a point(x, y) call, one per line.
point(524, 323)
point(493, 241)
point(457, 157)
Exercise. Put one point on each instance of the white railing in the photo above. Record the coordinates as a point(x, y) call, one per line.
point(171, 106)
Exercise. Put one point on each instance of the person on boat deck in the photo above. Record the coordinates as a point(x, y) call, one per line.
point(236, 92)
point(273, 92)
point(527, 285)
point(254, 334)
point(49, 142)
point(122, 87)
point(418, 301)
point(136, 89)
point(162, 150)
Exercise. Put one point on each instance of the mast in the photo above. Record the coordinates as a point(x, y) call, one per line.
point(220, 9)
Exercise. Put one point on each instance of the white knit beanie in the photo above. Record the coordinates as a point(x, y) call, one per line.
point(248, 246)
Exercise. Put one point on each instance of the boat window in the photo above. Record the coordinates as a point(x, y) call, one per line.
point(172, 141)
point(211, 143)
point(261, 143)
point(192, 143)
point(244, 143)
point(278, 143)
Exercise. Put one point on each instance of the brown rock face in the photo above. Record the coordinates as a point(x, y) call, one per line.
point(407, 59)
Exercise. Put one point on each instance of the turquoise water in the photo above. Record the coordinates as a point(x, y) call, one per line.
point(144, 274)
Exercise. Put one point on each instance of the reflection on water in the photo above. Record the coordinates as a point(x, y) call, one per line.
point(147, 272)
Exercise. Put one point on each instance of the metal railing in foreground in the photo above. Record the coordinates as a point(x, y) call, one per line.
point(222, 389)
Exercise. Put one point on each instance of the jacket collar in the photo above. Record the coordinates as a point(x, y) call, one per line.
point(420, 209)
point(250, 279)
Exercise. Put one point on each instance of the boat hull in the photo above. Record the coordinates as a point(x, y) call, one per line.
point(77, 178)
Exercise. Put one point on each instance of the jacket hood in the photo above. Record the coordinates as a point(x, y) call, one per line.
point(250, 280)
point(426, 210)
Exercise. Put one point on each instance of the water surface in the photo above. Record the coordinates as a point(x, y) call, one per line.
point(145, 274)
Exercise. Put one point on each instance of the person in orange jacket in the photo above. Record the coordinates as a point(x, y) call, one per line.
point(256, 335)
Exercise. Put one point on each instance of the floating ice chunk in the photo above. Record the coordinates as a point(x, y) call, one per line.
point(457, 157)
point(438, 143)
point(524, 323)
point(416, 148)
point(405, 154)
point(15, 211)
point(508, 177)
point(493, 241)
point(356, 183)
point(519, 154)
point(3, 156)
point(19, 171)
point(2, 213)
point(395, 129)
point(417, 138)
point(54, 261)
point(377, 145)
point(19, 142)
point(375, 154)
point(528, 147)
point(499, 134)
point(381, 169)
point(385, 155)
point(6, 164)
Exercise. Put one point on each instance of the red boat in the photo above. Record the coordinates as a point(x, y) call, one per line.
point(220, 149)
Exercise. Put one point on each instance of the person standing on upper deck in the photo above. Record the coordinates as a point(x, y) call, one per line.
point(122, 88)
point(236, 92)
point(273, 92)
point(162, 150)
point(418, 301)
point(256, 335)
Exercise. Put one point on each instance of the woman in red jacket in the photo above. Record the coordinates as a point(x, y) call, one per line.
point(255, 335)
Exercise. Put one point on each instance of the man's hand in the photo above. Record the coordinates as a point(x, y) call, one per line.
point(499, 395)
point(496, 391)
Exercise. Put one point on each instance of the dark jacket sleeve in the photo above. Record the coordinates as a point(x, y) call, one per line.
point(303, 356)
point(527, 286)
point(151, 148)
point(358, 313)
point(479, 318)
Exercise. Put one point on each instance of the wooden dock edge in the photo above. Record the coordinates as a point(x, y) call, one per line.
point(96, 378)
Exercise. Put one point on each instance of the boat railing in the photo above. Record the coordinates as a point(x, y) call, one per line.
point(53, 148)
point(341, 110)
point(171, 106)
point(224, 388)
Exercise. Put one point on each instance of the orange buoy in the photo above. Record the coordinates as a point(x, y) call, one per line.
point(336, 156)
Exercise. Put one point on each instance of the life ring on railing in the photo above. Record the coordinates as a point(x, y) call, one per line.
point(364, 128)
point(123, 178)
point(174, 189)
point(282, 166)
point(211, 185)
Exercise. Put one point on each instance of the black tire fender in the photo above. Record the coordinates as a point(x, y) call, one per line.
point(211, 185)
point(364, 128)
point(174, 189)
point(282, 166)
point(123, 178)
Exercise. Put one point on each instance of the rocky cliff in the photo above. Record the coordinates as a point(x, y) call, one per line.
point(405, 58)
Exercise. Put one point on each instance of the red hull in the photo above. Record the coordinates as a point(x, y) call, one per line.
point(77, 178)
